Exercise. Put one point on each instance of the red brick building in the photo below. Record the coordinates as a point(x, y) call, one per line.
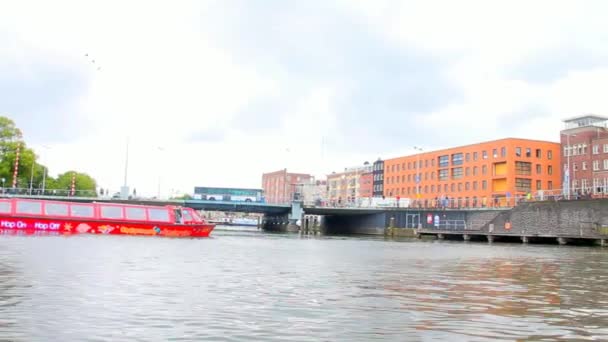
point(281, 186)
point(366, 185)
point(584, 154)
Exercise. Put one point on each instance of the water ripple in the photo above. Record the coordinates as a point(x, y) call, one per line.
point(252, 286)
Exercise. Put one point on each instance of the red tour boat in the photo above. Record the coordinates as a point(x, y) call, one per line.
point(28, 216)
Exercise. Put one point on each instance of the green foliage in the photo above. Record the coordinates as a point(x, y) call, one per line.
point(184, 197)
point(84, 183)
point(11, 138)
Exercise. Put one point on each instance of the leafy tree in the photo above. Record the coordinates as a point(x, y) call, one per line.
point(183, 197)
point(11, 138)
point(85, 185)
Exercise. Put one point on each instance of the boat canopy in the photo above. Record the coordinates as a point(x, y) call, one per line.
point(98, 211)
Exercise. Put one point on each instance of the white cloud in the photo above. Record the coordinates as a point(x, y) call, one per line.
point(164, 79)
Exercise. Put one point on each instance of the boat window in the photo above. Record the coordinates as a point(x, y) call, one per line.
point(186, 215)
point(111, 212)
point(5, 207)
point(136, 213)
point(82, 210)
point(158, 214)
point(60, 209)
point(196, 216)
point(28, 207)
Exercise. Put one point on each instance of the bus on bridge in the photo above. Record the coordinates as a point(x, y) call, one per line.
point(229, 194)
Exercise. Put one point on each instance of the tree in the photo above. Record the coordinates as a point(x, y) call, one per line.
point(11, 139)
point(85, 185)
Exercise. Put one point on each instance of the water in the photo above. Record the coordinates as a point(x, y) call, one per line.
point(247, 285)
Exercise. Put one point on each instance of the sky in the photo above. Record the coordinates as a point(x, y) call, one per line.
point(215, 93)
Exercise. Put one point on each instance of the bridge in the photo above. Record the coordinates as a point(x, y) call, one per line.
point(244, 207)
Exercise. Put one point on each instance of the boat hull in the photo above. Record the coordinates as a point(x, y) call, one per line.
point(10, 225)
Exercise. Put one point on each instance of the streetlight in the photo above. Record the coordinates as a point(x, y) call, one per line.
point(32, 175)
point(567, 182)
point(418, 173)
point(160, 149)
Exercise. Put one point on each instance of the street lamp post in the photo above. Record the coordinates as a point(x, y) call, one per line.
point(32, 175)
point(568, 153)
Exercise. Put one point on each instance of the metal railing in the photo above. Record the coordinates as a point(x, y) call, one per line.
point(498, 202)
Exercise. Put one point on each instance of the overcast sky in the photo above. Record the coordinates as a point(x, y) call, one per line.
point(231, 89)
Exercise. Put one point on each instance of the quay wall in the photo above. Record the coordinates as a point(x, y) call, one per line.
point(580, 218)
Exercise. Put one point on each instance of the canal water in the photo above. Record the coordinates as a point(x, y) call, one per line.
point(248, 285)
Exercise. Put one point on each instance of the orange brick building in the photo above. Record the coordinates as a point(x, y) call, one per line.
point(484, 174)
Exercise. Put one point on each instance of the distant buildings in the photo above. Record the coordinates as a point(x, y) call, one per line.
point(484, 174)
point(345, 187)
point(312, 192)
point(378, 176)
point(280, 186)
point(584, 155)
point(473, 175)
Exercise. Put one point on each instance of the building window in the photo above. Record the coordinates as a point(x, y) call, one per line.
point(484, 185)
point(457, 159)
point(495, 153)
point(484, 169)
point(426, 189)
point(584, 165)
point(409, 165)
point(528, 152)
point(426, 163)
point(443, 174)
point(453, 187)
point(467, 157)
point(433, 162)
point(474, 156)
point(445, 188)
point(474, 185)
point(474, 170)
point(518, 151)
point(538, 153)
point(457, 173)
point(503, 152)
point(467, 171)
point(523, 184)
point(444, 161)
point(549, 154)
point(596, 149)
point(605, 148)
point(523, 168)
point(432, 188)
point(596, 165)
point(538, 185)
point(539, 169)
point(433, 175)
point(459, 187)
point(605, 164)
point(484, 154)
point(467, 186)
point(550, 169)
point(550, 185)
